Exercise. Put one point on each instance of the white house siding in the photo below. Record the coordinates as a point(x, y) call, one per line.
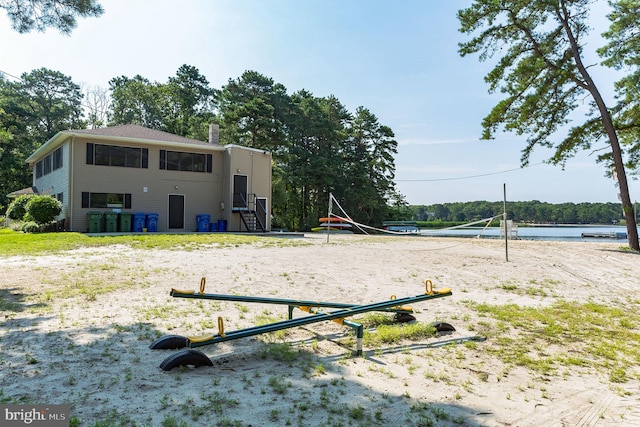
point(150, 187)
point(57, 181)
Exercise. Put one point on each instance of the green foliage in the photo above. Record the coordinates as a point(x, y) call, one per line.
point(43, 209)
point(30, 227)
point(280, 351)
point(14, 243)
point(542, 76)
point(601, 337)
point(171, 421)
point(279, 385)
point(390, 334)
point(18, 208)
point(318, 148)
point(373, 319)
point(536, 71)
point(450, 214)
point(183, 106)
point(32, 110)
point(28, 15)
point(622, 52)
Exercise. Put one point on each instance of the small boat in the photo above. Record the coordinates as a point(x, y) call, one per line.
point(331, 230)
point(604, 235)
point(332, 220)
point(410, 227)
point(334, 225)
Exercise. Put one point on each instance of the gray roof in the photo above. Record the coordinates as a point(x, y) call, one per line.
point(139, 132)
point(120, 133)
point(22, 192)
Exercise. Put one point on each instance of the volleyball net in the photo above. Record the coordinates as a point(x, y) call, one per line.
point(343, 217)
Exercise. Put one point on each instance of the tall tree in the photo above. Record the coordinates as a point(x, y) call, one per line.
point(370, 164)
point(27, 15)
point(253, 112)
point(183, 106)
point(136, 101)
point(623, 53)
point(9, 179)
point(51, 102)
point(33, 110)
point(192, 103)
point(542, 73)
point(316, 163)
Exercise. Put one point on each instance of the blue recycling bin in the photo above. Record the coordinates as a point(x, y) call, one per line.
point(222, 225)
point(138, 222)
point(213, 226)
point(152, 222)
point(203, 222)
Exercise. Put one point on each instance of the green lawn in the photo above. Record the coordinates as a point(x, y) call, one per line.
point(14, 243)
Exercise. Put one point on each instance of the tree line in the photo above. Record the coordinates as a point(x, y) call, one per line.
point(522, 212)
point(318, 146)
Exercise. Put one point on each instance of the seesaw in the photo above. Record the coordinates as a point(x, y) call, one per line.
point(197, 358)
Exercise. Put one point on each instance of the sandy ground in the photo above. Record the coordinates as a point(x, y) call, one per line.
point(76, 329)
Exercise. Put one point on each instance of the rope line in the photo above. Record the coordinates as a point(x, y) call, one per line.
point(361, 226)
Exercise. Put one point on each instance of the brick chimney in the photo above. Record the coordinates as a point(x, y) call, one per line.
point(214, 133)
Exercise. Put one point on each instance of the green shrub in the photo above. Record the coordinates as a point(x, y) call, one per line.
point(17, 209)
point(29, 227)
point(43, 209)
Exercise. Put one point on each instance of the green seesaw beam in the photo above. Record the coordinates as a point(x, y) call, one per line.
point(196, 358)
point(292, 323)
point(281, 301)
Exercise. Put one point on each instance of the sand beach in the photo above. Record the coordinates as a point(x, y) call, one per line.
point(76, 329)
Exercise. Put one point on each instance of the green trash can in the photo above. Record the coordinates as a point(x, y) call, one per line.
point(110, 222)
point(125, 222)
point(95, 222)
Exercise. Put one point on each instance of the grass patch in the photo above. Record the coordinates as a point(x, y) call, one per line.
point(567, 333)
point(6, 303)
point(14, 243)
point(283, 352)
point(164, 311)
point(374, 319)
point(392, 334)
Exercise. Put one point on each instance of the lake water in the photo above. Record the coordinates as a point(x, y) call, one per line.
point(561, 232)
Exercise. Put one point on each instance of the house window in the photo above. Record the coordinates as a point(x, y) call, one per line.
point(116, 155)
point(57, 159)
point(47, 164)
point(106, 200)
point(50, 163)
point(182, 161)
point(60, 197)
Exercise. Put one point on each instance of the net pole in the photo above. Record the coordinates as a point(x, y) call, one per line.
point(329, 216)
point(504, 215)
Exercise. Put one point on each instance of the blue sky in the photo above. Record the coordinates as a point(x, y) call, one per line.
point(398, 59)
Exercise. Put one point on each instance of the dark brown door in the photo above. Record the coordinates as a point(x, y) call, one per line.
point(240, 202)
point(176, 211)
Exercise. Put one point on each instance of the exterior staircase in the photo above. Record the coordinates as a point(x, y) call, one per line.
point(252, 212)
point(251, 221)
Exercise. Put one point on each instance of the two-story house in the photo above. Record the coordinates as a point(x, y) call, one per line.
point(133, 169)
